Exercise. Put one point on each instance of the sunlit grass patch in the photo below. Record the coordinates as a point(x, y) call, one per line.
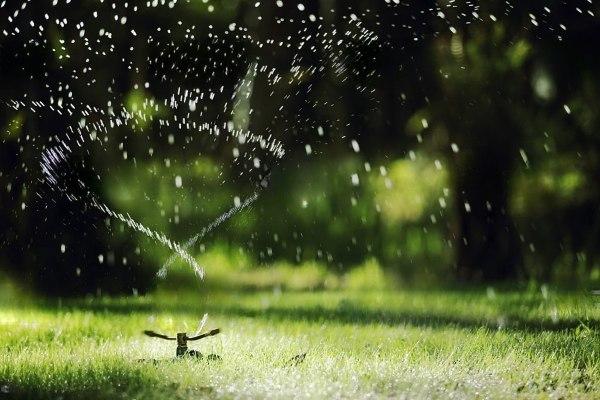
point(358, 344)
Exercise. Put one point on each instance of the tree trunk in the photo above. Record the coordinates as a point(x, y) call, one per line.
point(487, 244)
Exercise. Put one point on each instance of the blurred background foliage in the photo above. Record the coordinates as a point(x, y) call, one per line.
point(476, 158)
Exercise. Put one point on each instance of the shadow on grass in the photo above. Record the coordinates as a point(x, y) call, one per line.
point(346, 313)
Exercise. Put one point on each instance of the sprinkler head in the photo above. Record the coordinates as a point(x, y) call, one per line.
point(182, 339)
point(182, 344)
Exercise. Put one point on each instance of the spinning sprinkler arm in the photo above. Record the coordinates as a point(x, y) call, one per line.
point(207, 334)
point(182, 339)
point(157, 335)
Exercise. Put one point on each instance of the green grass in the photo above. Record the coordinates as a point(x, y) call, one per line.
point(359, 344)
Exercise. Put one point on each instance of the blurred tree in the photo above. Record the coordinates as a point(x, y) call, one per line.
point(477, 106)
point(361, 93)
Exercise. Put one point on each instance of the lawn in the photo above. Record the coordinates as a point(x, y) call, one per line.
point(358, 344)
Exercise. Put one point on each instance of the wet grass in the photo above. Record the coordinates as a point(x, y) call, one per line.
point(358, 344)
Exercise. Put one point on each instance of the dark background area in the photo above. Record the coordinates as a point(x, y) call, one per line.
point(461, 145)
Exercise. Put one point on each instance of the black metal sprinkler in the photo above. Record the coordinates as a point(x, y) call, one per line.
point(182, 339)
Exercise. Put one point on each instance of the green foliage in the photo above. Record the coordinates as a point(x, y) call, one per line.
point(14, 126)
point(409, 190)
point(150, 193)
point(381, 215)
point(230, 269)
point(369, 276)
point(143, 108)
point(554, 184)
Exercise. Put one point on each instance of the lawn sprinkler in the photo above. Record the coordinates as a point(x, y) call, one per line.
point(182, 339)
